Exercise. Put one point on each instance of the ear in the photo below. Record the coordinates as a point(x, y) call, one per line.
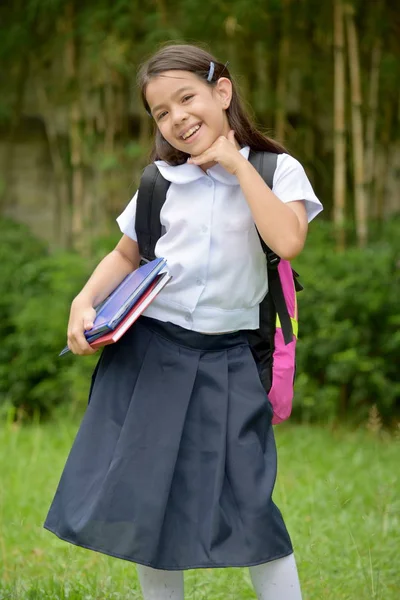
point(223, 88)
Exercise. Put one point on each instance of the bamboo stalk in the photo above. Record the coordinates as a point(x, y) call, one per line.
point(383, 161)
point(61, 207)
point(283, 62)
point(163, 12)
point(110, 117)
point(76, 145)
point(77, 176)
point(339, 181)
point(357, 128)
point(370, 137)
point(22, 76)
point(262, 72)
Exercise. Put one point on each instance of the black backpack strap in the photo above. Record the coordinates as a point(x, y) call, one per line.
point(265, 164)
point(151, 197)
point(278, 299)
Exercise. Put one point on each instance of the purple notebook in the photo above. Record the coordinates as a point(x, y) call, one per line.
point(119, 302)
point(114, 308)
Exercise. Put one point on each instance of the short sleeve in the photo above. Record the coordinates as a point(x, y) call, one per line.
point(291, 183)
point(126, 219)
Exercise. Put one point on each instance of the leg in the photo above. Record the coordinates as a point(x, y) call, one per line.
point(160, 585)
point(276, 580)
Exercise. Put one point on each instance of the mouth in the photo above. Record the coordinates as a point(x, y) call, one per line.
point(191, 133)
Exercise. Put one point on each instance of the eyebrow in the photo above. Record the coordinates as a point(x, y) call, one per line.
point(177, 93)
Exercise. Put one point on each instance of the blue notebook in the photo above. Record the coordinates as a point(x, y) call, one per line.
point(114, 308)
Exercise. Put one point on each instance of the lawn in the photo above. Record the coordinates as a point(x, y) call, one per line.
point(339, 491)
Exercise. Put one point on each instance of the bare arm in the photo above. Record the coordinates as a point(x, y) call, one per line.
point(283, 227)
point(109, 273)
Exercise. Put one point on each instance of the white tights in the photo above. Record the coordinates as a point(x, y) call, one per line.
point(275, 580)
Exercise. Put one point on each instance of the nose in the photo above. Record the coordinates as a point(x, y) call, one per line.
point(179, 115)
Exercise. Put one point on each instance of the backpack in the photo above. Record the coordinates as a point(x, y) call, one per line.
point(273, 345)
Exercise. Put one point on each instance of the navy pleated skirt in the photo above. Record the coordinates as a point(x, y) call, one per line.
point(174, 463)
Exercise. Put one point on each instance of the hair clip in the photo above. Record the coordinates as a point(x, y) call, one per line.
point(211, 71)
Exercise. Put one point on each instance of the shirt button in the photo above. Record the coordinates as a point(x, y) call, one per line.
point(204, 228)
point(199, 282)
point(187, 317)
point(209, 182)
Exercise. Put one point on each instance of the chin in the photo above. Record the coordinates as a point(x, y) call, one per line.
point(201, 148)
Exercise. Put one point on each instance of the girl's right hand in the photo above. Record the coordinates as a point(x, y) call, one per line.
point(81, 319)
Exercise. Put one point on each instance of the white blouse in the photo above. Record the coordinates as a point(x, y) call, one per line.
point(213, 252)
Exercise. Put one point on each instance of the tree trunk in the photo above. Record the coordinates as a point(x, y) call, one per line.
point(110, 116)
point(163, 12)
point(357, 129)
point(383, 161)
point(339, 177)
point(232, 32)
point(61, 206)
point(78, 208)
point(75, 136)
point(371, 122)
point(260, 94)
point(23, 72)
point(283, 63)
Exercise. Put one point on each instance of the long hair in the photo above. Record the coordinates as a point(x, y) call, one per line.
point(184, 57)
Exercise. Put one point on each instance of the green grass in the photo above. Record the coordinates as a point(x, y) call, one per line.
point(339, 492)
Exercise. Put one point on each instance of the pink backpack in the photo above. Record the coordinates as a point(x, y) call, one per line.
point(274, 343)
point(284, 359)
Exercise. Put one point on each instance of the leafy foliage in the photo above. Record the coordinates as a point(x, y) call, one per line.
point(79, 58)
point(38, 288)
point(349, 346)
point(348, 352)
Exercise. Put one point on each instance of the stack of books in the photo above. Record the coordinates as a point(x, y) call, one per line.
point(126, 303)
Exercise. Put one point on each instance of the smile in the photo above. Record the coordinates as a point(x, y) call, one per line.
point(190, 132)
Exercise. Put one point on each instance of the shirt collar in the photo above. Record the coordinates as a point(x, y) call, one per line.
point(186, 173)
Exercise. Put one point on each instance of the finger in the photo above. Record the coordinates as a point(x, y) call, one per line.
point(78, 344)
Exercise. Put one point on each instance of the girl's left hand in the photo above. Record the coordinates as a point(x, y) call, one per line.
point(223, 151)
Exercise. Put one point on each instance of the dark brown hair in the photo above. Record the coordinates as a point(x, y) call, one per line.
point(184, 57)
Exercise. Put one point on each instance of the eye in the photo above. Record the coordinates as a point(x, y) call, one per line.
point(161, 115)
point(186, 98)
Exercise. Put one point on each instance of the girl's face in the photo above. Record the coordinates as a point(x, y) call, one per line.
point(189, 112)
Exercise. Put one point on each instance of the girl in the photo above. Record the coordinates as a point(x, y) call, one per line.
point(174, 464)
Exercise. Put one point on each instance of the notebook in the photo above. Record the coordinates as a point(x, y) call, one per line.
point(116, 306)
point(144, 301)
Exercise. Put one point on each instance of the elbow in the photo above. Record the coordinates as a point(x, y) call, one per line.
point(289, 249)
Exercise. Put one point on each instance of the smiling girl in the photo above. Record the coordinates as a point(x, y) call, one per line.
point(174, 464)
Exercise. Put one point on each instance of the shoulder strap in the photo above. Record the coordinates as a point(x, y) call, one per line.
point(151, 197)
point(265, 163)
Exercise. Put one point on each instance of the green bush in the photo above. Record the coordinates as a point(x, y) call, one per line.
point(37, 291)
point(348, 351)
point(349, 344)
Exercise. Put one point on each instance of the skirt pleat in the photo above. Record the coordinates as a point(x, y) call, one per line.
point(174, 463)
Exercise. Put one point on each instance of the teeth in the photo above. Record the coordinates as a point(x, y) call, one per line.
point(190, 132)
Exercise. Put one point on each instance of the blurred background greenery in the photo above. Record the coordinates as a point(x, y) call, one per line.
point(321, 77)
